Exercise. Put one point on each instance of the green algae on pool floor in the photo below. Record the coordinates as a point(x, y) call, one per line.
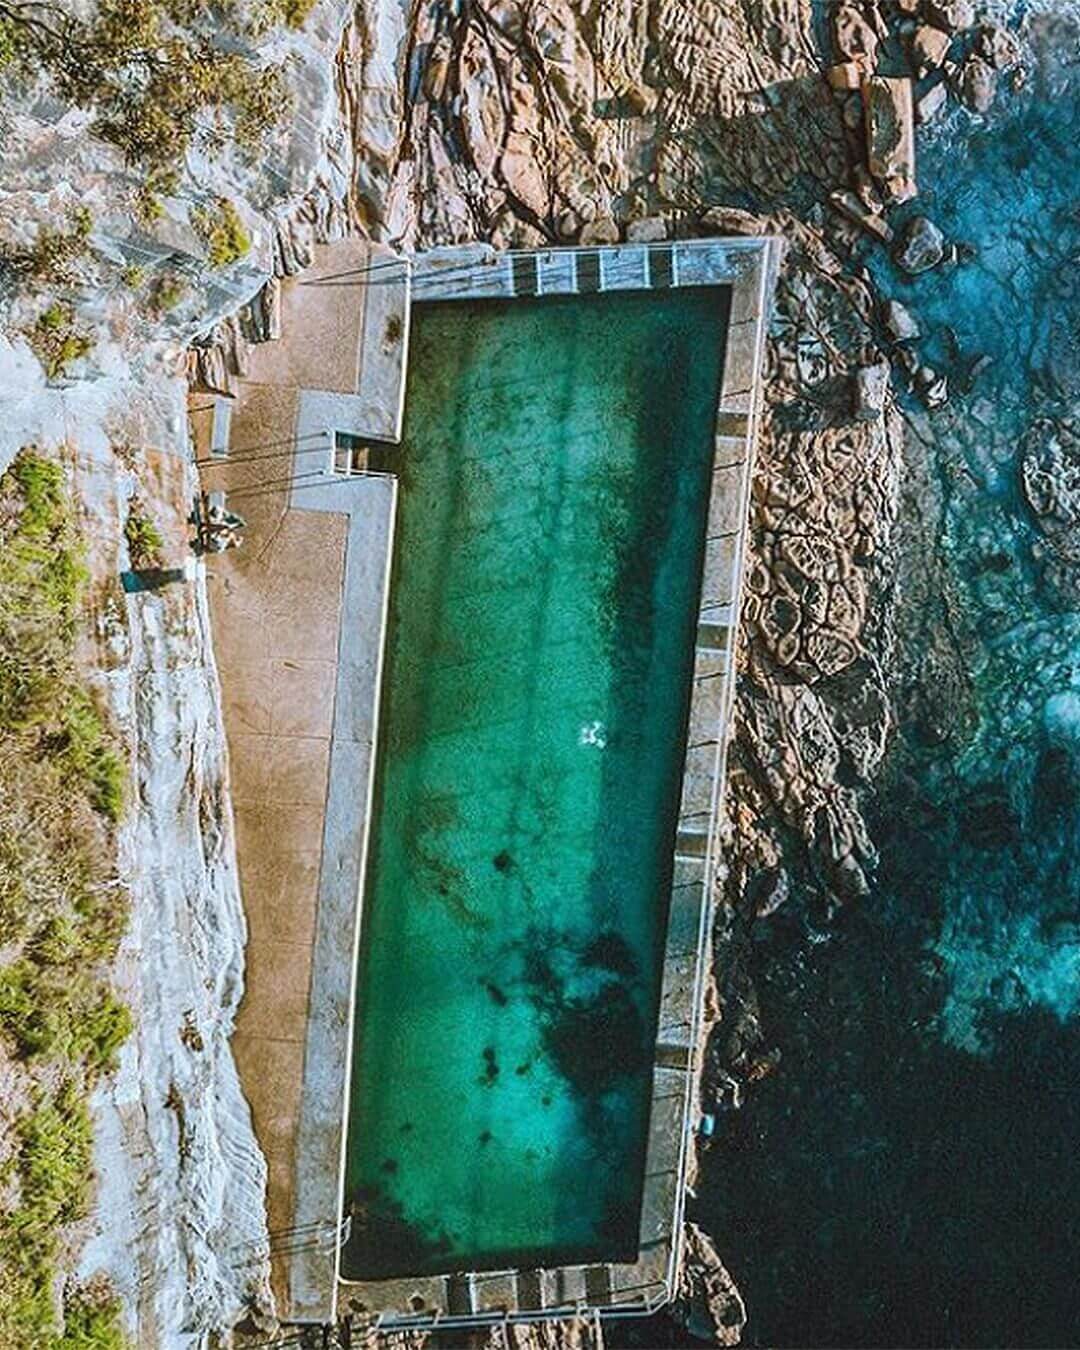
point(554, 484)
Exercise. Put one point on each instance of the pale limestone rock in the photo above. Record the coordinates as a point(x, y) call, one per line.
point(930, 46)
point(520, 168)
point(856, 40)
point(851, 206)
point(932, 386)
point(648, 230)
point(708, 1303)
point(871, 388)
point(922, 245)
point(436, 69)
point(890, 134)
point(844, 75)
point(900, 323)
point(932, 102)
point(952, 15)
point(732, 220)
point(600, 230)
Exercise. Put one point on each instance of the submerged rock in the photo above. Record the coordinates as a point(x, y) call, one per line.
point(998, 46)
point(922, 246)
point(978, 84)
point(931, 103)
point(708, 1302)
point(933, 387)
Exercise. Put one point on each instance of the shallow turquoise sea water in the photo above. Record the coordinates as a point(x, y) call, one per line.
point(554, 487)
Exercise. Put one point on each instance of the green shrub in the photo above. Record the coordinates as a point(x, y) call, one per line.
point(154, 74)
point(292, 13)
point(62, 1013)
point(91, 1322)
point(56, 342)
point(55, 1161)
point(8, 43)
point(102, 1030)
point(133, 276)
point(61, 911)
point(144, 540)
point(85, 747)
point(161, 181)
point(53, 254)
point(223, 231)
point(167, 293)
point(57, 942)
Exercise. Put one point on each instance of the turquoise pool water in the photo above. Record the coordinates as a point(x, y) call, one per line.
point(554, 483)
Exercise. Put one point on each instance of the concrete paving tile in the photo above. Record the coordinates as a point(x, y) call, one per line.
point(296, 769)
point(739, 362)
point(309, 546)
point(301, 697)
point(289, 913)
point(249, 766)
point(247, 697)
point(270, 835)
point(273, 1073)
point(275, 999)
point(301, 626)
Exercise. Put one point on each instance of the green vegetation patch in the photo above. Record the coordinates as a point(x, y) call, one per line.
point(167, 292)
point(158, 75)
point(54, 253)
point(291, 13)
point(221, 227)
point(144, 540)
point(62, 912)
point(56, 341)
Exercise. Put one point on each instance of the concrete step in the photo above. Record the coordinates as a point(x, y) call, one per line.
point(598, 1285)
point(691, 844)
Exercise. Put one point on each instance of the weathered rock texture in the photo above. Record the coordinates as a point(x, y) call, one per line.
point(179, 1225)
point(520, 124)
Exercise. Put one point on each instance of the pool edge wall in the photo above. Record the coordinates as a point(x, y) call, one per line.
point(315, 1291)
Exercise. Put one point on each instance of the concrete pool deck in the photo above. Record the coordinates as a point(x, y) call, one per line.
point(322, 548)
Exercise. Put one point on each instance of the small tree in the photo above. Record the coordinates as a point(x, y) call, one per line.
point(152, 77)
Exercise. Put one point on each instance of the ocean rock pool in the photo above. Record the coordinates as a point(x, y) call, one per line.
point(554, 481)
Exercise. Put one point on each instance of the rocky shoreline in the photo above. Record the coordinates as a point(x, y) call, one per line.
point(521, 125)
